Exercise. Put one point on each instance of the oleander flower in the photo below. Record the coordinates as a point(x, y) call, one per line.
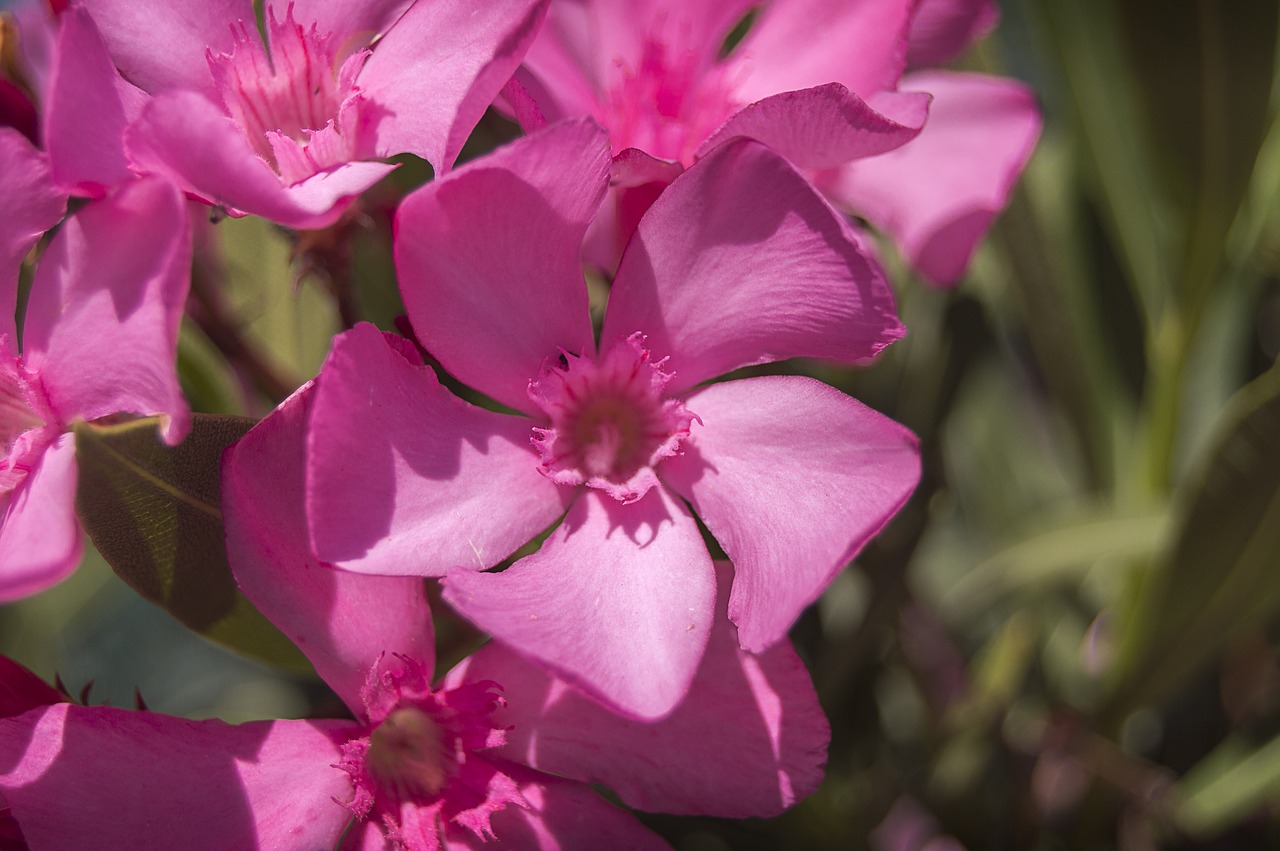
point(740, 262)
point(820, 81)
point(497, 751)
point(99, 337)
point(287, 128)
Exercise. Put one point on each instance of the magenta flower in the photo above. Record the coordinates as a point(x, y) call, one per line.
point(419, 768)
point(820, 81)
point(99, 337)
point(740, 262)
point(284, 129)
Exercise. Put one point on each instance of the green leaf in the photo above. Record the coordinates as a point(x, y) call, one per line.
point(1227, 786)
point(1205, 86)
point(153, 511)
point(1219, 576)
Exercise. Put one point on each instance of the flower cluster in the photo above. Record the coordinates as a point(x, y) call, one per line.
point(574, 505)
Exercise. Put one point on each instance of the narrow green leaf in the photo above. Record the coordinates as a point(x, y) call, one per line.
point(1227, 786)
point(1219, 576)
point(153, 511)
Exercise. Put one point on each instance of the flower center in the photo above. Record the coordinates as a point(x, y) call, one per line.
point(298, 112)
point(610, 423)
point(668, 105)
point(407, 756)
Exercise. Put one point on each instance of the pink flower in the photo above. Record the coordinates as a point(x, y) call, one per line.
point(284, 129)
point(820, 81)
point(498, 750)
point(99, 338)
point(739, 262)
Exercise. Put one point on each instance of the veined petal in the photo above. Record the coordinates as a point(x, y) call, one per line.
point(796, 44)
point(938, 195)
point(88, 106)
point(748, 740)
point(439, 68)
point(325, 612)
point(694, 29)
point(353, 23)
point(824, 126)
point(619, 601)
point(741, 262)
point(102, 321)
point(792, 477)
point(405, 478)
point(561, 815)
point(942, 29)
point(495, 288)
point(97, 777)
point(162, 46)
point(40, 538)
point(186, 138)
point(32, 205)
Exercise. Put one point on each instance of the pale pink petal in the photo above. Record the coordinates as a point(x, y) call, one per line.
point(434, 74)
point(792, 477)
point(40, 538)
point(160, 46)
point(562, 816)
point(87, 109)
point(942, 29)
point(405, 478)
point(633, 167)
point(325, 612)
point(97, 777)
point(32, 206)
point(102, 321)
point(938, 195)
point(796, 44)
point(37, 38)
point(822, 127)
point(489, 258)
point(619, 601)
point(749, 739)
point(741, 262)
point(189, 140)
point(694, 30)
point(353, 23)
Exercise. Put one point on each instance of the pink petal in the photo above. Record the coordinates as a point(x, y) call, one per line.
point(40, 538)
point(405, 478)
point(793, 478)
point(162, 46)
point(559, 71)
point(325, 612)
point(21, 690)
point(938, 195)
point(942, 29)
point(440, 67)
point(691, 29)
point(824, 126)
point(749, 739)
point(88, 106)
point(741, 262)
point(495, 288)
point(32, 206)
point(97, 777)
point(561, 815)
point(797, 44)
point(618, 601)
point(187, 139)
point(102, 323)
point(353, 23)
